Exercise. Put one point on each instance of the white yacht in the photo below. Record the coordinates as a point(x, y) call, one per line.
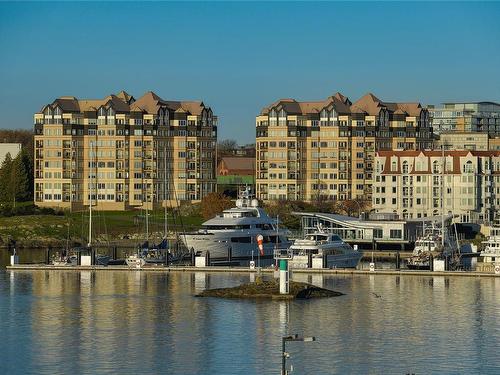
point(323, 250)
point(233, 233)
point(491, 251)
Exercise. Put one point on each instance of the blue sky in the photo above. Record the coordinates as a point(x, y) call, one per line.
point(238, 57)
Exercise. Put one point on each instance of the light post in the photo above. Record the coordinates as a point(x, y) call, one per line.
point(284, 354)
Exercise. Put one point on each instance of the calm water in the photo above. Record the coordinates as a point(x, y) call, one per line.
point(57, 322)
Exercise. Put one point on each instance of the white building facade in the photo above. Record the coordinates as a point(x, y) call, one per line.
point(415, 184)
point(9, 148)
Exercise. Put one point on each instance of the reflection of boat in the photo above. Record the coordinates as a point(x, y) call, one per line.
point(323, 250)
point(491, 251)
point(234, 231)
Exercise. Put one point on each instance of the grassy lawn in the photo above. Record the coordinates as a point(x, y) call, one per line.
point(114, 224)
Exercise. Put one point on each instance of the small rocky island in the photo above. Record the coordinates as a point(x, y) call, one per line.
point(270, 289)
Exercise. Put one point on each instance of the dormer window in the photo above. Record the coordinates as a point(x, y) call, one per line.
point(468, 167)
point(48, 111)
point(282, 113)
point(272, 113)
point(333, 113)
point(111, 111)
point(57, 111)
point(324, 113)
point(435, 166)
point(405, 167)
point(102, 111)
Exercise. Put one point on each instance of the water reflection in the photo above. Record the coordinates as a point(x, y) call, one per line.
point(146, 322)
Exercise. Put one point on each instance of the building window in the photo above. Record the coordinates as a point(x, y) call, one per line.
point(395, 233)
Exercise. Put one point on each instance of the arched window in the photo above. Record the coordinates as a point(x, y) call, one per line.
point(48, 111)
point(111, 111)
point(435, 167)
point(102, 111)
point(394, 166)
point(333, 113)
point(468, 167)
point(282, 113)
point(273, 118)
point(405, 167)
point(57, 111)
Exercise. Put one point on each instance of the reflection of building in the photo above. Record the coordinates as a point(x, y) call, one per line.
point(308, 150)
point(466, 117)
point(410, 183)
point(236, 170)
point(131, 139)
point(9, 148)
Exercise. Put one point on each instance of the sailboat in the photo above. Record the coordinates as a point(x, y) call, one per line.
point(70, 257)
point(156, 254)
point(436, 242)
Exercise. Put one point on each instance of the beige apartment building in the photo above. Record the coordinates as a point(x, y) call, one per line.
point(121, 152)
point(415, 184)
point(326, 149)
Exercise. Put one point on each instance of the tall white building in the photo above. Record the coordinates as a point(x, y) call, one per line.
point(413, 184)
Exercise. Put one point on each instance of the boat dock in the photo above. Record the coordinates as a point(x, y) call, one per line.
point(322, 271)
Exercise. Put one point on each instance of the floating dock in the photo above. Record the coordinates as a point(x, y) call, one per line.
point(323, 271)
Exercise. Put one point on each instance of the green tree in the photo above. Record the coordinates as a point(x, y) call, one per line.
point(6, 180)
point(21, 178)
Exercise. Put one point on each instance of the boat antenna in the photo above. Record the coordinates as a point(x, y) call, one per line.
point(277, 229)
point(91, 191)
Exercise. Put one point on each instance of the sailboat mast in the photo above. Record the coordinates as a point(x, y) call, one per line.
point(147, 220)
point(91, 190)
point(165, 188)
point(442, 195)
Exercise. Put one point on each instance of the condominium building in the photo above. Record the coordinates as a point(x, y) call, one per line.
point(416, 184)
point(119, 152)
point(466, 117)
point(326, 149)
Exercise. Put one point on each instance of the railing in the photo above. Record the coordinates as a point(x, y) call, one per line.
point(282, 253)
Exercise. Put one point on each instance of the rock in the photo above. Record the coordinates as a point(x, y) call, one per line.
point(270, 289)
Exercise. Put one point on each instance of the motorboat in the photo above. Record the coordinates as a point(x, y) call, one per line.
point(147, 254)
point(323, 250)
point(233, 233)
point(491, 250)
point(425, 247)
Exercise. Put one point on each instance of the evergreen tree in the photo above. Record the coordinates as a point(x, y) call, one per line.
point(5, 180)
point(20, 178)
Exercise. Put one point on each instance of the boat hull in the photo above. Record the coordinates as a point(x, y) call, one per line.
point(419, 267)
point(218, 246)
